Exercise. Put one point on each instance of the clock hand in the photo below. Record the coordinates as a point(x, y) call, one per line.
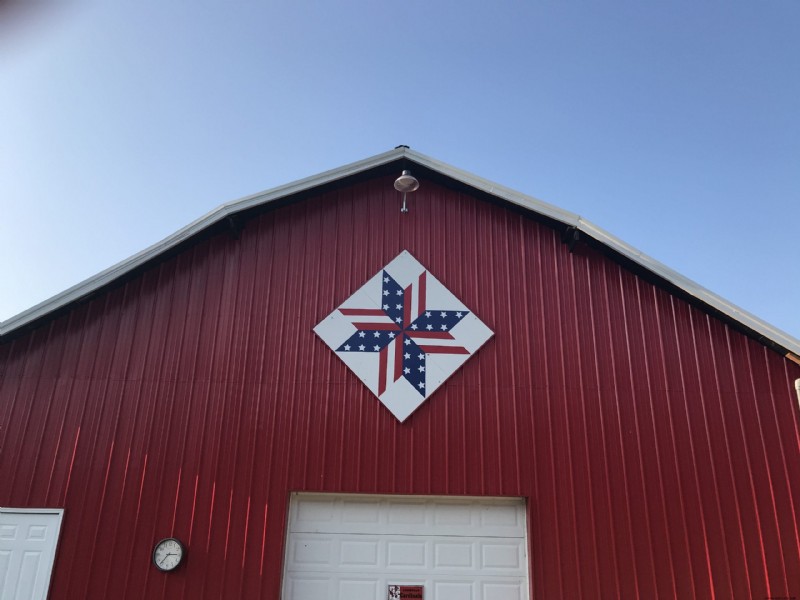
point(165, 558)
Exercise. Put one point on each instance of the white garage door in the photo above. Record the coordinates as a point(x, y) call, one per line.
point(352, 547)
point(28, 540)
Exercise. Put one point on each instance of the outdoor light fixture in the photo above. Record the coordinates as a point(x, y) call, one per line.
point(406, 183)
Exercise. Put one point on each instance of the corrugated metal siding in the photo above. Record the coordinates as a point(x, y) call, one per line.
point(659, 449)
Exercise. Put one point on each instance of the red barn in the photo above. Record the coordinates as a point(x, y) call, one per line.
point(616, 432)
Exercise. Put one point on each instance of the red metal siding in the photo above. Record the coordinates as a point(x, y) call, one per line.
point(658, 448)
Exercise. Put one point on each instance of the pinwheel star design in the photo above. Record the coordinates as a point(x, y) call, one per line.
point(413, 338)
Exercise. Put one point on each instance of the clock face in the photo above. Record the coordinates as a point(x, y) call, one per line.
point(168, 554)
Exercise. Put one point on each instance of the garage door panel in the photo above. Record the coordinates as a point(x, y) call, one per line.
point(359, 553)
point(406, 553)
point(402, 514)
point(358, 513)
point(312, 510)
point(453, 590)
point(502, 591)
point(501, 556)
point(503, 516)
point(313, 551)
point(306, 586)
point(454, 555)
point(358, 589)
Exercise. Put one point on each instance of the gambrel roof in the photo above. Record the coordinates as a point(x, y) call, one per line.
point(575, 228)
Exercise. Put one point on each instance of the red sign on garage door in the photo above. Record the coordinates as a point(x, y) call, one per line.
point(403, 592)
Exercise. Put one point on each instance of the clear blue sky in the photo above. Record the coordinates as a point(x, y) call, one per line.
point(673, 125)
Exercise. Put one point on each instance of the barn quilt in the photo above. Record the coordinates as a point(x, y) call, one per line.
point(403, 334)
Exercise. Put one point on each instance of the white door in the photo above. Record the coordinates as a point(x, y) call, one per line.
point(352, 547)
point(28, 539)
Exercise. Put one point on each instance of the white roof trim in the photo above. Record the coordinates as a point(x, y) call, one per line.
point(105, 277)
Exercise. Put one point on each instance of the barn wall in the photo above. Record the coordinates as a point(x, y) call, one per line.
point(657, 447)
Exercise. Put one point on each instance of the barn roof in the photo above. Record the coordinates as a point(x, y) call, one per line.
point(574, 228)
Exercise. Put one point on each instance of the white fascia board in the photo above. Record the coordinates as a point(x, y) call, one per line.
point(528, 202)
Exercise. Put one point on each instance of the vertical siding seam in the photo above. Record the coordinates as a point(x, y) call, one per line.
point(621, 441)
point(268, 392)
point(531, 508)
point(236, 385)
point(743, 434)
point(550, 428)
point(181, 339)
point(512, 372)
point(626, 326)
point(481, 421)
point(298, 257)
point(731, 471)
point(56, 450)
point(215, 415)
point(326, 382)
point(130, 302)
point(711, 463)
point(38, 452)
point(518, 393)
point(600, 395)
point(164, 387)
point(586, 457)
point(662, 489)
point(56, 380)
point(171, 385)
point(124, 302)
point(527, 399)
point(322, 377)
point(254, 398)
point(7, 409)
point(103, 382)
point(68, 403)
point(126, 587)
point(271, 476)
point(767, 470)
point(145, 422)
point(195, 277)
point(468, 272)
point(204, 393)
point(562, 278)
point(684, 393)
point(28, 410)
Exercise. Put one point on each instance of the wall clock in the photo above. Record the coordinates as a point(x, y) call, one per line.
point(168, 554)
